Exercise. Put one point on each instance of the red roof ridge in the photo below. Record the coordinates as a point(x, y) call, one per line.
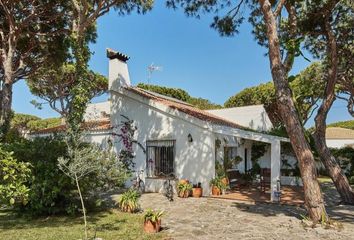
point(96, 125)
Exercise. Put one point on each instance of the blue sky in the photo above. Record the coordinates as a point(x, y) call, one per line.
point(193, 57)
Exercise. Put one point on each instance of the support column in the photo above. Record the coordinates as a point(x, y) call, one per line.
point(275, 168)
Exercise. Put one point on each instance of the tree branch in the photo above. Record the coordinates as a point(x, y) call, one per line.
point(279, 8)
point(290, 55)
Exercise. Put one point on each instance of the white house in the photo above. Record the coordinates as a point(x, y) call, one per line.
point(254, 116)
point(337, 137)
point(178, 138)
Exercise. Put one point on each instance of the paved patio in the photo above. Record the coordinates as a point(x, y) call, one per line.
point(290, 195)
point(210, 218)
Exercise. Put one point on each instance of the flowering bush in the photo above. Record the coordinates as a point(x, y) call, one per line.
point(124, 133)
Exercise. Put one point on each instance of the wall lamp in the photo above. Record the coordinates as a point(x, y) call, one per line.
point(190, 138)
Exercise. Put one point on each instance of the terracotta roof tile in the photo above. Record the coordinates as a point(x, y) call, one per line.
point(100, 125)
point(186, 108)
point(339, 133)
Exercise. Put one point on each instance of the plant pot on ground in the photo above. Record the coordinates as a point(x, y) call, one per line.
point(215, 191)
point(197, 190)
point(128, 202)
point(152, 221)
point(217, 186)
point(184, 188)
point(225, 181)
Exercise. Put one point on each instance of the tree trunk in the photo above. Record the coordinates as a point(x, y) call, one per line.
point(334, 170)
point(350, 105)
point(82, 204)
point(5, 104)
point(313, 197)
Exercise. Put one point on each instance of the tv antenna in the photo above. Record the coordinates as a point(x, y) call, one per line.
point(152, 68)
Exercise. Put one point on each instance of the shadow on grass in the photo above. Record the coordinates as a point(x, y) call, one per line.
point(99, 221)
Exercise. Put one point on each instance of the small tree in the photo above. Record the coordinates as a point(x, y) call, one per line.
point(85, 160)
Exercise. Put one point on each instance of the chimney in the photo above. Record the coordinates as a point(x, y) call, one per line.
point(118, 74)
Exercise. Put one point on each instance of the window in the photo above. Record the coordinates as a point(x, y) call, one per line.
point(160, 157)
point(229, 154)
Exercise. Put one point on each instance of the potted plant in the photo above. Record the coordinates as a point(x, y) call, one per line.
point(152, 221)
point(225, 181)
point(128, 202)
point(217, 186)
point(197, 190)
point(184, 188)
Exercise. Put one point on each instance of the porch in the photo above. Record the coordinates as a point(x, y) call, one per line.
point(290, 195)
point(235, 154)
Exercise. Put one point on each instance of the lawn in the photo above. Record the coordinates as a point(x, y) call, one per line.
point(107, 225)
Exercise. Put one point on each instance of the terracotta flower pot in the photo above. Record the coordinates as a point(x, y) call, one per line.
point(152, 227)
point(225, 181)
point(183, 181)
point(183, 194)
point(215, 190)
point(197, 192)
point(127, 209)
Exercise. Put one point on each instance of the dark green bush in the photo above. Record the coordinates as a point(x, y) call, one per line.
point(180, 94)
point(50, 189)
point(13, 178)
point(345, 157)
point(343, 124)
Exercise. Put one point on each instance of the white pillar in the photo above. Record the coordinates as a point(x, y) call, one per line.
point(275, 167)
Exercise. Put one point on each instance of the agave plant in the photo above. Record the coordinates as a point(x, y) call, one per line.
point(184, 187)
point(128, 202)
point(153, 216)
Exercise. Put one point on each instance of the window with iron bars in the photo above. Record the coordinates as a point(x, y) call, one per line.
point(160, 157)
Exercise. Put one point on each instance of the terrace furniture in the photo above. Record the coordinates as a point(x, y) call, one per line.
point(235, 178)
point(265, 179)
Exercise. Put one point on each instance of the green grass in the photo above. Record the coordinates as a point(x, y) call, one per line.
point(107, 225)
point(324, 179)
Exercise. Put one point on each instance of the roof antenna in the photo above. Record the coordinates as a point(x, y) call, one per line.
point(152, 68)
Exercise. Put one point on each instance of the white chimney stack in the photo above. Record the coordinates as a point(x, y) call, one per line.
point(118, 74)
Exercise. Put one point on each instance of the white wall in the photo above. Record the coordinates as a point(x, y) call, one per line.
point(193, 161)
point(339, 143)
point(265, 162)
point(99, 138)
point(235, 142)
point(254, 117)
point(94, 110)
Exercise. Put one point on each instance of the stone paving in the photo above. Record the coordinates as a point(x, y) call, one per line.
point(206, 218)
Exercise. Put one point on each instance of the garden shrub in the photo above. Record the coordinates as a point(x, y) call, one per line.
point(13, 178)
point(345, 157)
point(180, 94)
point(50, 189)
point(343, 124)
